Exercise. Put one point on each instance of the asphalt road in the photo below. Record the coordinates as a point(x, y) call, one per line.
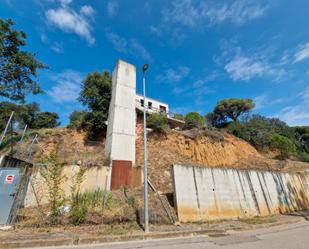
point(294, 236)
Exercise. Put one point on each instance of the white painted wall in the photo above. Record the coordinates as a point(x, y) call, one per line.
point(213, 193)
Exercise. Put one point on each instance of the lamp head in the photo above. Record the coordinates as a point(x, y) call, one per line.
point(145, 67)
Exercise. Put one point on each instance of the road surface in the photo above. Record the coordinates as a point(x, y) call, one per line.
point(293, 236)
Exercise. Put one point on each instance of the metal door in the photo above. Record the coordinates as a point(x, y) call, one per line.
point(9, 180)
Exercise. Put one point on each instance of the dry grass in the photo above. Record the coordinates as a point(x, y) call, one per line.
point(257, 220)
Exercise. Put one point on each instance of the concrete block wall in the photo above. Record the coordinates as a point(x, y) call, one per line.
point(213, 193)
point(94, 179)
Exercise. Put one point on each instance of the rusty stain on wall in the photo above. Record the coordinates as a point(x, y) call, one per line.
point(211, 193)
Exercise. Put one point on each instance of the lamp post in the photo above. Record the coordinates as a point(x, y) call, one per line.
point(146, 215)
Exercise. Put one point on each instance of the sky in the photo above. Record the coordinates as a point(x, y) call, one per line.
point(199, 51)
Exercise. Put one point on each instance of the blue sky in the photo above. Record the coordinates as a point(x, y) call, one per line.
point(199, 51)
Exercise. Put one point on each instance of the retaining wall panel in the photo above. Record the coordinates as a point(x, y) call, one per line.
point(208, 193)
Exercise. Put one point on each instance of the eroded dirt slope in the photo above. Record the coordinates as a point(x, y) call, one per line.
point(203, 148)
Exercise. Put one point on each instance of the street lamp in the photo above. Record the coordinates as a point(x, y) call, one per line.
point(146, 215)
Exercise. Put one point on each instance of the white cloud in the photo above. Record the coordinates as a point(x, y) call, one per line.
point(70, 21)
point(112, 6)
point(257, 64)
point(131, 46)
point(57, 47)
point(120, 44)
point(245, 68)
point(171, 75)
point(87, 10)
point(65, 2)
point(67, 86)
point(139, 49)
point(155, 30)
point(198, 89)
point(238, 12)
point(297, 114)
point(302, 53)
point(191, 13)
point(260, 102)
point(294, 115)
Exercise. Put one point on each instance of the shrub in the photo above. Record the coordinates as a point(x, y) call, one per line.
point(178, 116)
point(193, 120)
point(45, 120)
point(258, 130)
point(78, 211)
point(157, 122)
point(283, 144)
point(77, 119)
point(303, 156)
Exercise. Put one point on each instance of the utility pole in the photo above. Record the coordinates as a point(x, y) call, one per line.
point(11, 152)
point(146, 214)
point(6, 128)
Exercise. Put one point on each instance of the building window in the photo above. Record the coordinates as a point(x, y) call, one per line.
point(149, 105)
point(162, 108)
point(142, 102)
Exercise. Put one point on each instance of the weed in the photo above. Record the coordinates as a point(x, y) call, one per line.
point(78, 208)
point(52, 174)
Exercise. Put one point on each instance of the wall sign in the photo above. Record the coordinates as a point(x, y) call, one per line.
point(9, 179)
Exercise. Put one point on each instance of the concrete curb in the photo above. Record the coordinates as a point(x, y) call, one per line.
point(133, 237)
point(104, 239)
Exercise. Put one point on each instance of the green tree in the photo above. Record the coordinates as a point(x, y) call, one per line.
point(283, 144)
point(96, 95)
point(229, 109)
point(18, 69)
point(193, 120)
point(215, 120)
point(77, 119)
point(157, 122)
point(6, 109)
point(45, 120)
point(233, 108)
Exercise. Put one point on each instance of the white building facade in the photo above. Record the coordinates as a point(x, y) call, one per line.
point(151, 104)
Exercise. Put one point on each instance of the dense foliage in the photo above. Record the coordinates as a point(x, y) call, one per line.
point(228, 110)
point(27, 114)
point(77, 119)
point(157, 122)
point(18, 69)
point(96, 95)
point(45, 120)
point(285, 146)
point(258, 130)
point(302, 137)
point(193, 120)
point(263, 133)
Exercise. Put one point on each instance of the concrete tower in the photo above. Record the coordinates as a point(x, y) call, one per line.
point(120, 138)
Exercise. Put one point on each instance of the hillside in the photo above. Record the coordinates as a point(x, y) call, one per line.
point(194, 147)
point(204, 148)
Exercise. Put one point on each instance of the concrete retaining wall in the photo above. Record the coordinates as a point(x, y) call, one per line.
point(209, 193)
point(94, 179)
